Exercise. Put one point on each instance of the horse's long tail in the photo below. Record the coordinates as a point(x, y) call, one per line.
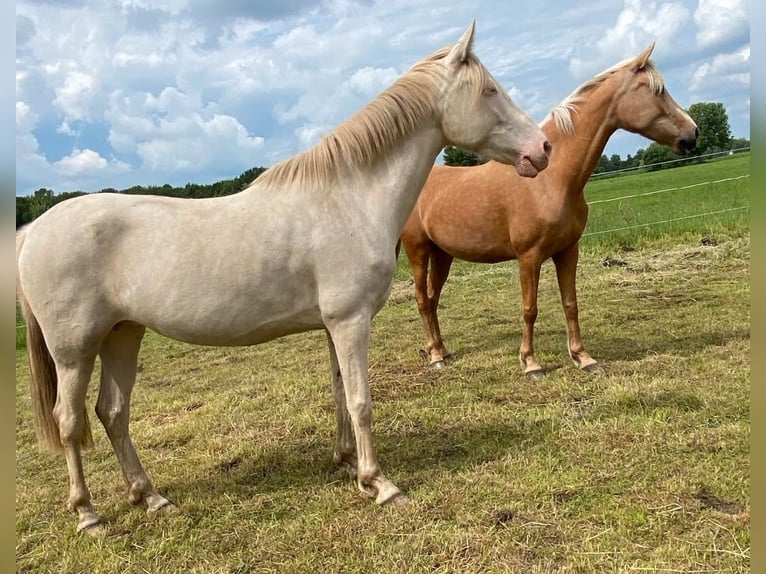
point(43, 382)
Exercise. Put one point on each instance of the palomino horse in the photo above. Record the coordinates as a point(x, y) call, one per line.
point(487, 214)
point(309, 245)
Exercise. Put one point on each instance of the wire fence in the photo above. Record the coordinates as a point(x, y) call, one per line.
point(666, 190)
point(638, 225)
point(682, 160)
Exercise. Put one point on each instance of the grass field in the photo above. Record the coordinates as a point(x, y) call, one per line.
point(645, 469)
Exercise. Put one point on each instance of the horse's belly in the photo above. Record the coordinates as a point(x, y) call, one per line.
point(243, 330)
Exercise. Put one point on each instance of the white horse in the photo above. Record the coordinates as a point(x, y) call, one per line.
point(308, 245)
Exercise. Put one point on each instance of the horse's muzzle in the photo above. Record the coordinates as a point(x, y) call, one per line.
point(685, 144)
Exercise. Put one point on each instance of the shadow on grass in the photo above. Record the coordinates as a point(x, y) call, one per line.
point(603, 346)
point(416, 457)
point(616, 348)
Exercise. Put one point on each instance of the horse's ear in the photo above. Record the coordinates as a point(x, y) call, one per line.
point(458, 54)
point(643, 57)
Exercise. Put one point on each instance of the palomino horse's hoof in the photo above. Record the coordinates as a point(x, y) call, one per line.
point(438, 365)
point(594, 369)
point(536, 375)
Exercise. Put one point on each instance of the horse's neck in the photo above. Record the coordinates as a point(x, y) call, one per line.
point(397, 177)
point(578, 153)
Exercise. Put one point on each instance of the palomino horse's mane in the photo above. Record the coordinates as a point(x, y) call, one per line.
point(562, 114)
point(394, 114)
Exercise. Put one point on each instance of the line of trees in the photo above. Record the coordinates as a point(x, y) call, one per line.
point(31, 206)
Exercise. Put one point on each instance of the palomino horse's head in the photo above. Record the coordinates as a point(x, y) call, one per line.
point(479, 116)
point(647, 108)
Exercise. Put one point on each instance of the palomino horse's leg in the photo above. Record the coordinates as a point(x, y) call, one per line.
point(529, 275)
point(441, 262)
point(69, 412)
point(345, 446)
point(351, 338)
point(119, 358)
point(566, 272)
point(418, 256)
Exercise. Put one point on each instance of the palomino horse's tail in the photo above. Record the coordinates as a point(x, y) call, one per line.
point(43, 382)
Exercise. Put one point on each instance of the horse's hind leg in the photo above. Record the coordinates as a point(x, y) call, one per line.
point(417, 250)
point(441, 261)
point(69, 413)
point(566, 272)
point(119, 359)
point(345, 444)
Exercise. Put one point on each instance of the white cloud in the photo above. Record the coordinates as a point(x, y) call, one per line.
point(722, 70)
point(309, 134)
point(175, 132)
point(80, 162)
point(638, 25)
point(26, 119)
point(75, 94)
point(66, 129)
point(720, 20)
point(369, 81)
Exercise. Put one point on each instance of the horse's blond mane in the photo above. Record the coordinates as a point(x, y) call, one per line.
point(394, 114)
point(562, 114)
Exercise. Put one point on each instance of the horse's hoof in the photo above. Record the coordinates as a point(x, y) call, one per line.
point(594, 369)
point(438, 365)
point(398, 499)
point(536, 375)
point(160, 504)
point(91, 526)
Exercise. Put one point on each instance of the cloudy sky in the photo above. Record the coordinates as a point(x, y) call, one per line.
point(144, 92)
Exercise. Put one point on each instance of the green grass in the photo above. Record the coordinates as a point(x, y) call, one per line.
point(693, 190)
point(644, 469)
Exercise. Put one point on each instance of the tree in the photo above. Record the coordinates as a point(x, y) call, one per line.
point(739, 143)
point(39, 202)
point(713, 122)
point(602, 165)
point(655, 154)
point(22, 210)
point(455, 156)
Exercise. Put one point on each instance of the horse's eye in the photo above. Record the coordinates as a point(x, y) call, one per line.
point(490, 90)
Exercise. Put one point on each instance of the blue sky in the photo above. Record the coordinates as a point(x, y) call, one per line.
point(141, 92)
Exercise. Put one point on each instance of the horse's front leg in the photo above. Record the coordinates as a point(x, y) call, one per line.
point(529, 276)
point(566, 272)
point(351, 338)
point(69, 414)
